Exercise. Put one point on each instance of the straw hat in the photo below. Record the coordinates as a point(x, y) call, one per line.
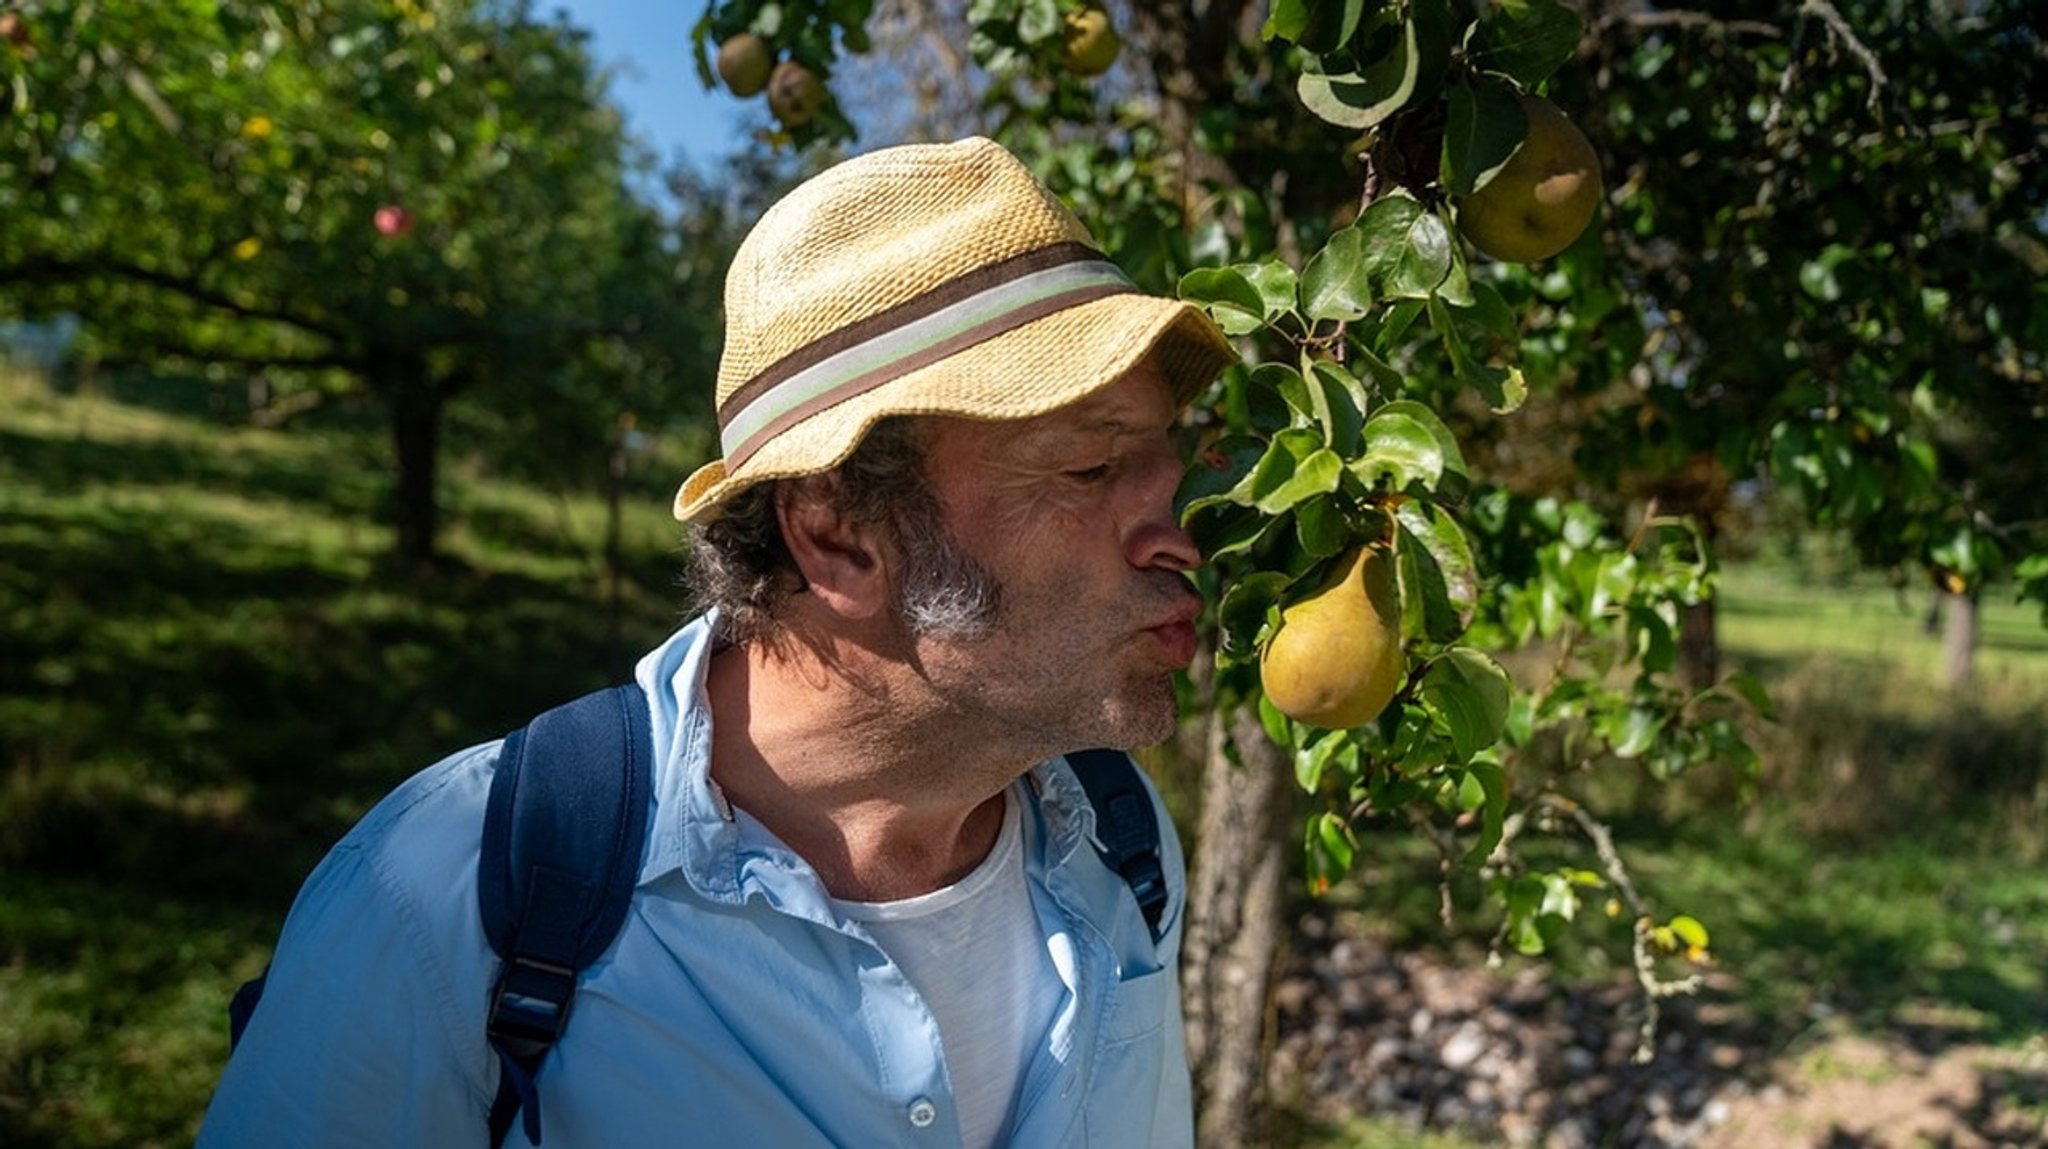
point(922, 280)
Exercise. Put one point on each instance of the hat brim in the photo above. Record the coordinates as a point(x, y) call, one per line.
point(1039, 367)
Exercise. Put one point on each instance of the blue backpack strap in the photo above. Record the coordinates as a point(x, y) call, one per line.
point(563, 832)
point(1126, 827)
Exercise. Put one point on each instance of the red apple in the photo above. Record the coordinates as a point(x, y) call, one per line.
point(393, 220)
point(14, 30)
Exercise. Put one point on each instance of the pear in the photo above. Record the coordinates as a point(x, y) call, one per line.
point(795, 93)
point(1336, 660)
point(744, 63)
point(1090, 43)
point(1542, 198)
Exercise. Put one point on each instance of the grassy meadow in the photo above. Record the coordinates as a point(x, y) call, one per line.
point(207, 671)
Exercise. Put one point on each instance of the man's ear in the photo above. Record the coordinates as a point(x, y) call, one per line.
point(844, 564)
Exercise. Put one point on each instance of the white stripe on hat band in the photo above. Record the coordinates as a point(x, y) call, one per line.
point(874, 356)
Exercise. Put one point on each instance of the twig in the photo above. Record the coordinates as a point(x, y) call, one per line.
point(1845, 36)
point(1654, 988)
point(1687, 19)
point(1446, 850)
point(1838, 27)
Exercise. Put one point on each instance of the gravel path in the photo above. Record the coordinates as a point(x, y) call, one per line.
point(1511, 1058)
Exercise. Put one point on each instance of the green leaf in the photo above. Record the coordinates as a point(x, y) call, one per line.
point(1336, 284)
point(1446, 442)
point(1311, 762)
point(1527, 40)
point(1328, 852)
point(1287, 20)
point(1650, 637)
point(1437, 570)
point(1689, 931)
point(1223, 529)
point(1307, 400)
point(1329, 24)
point(1634, 731)
point(1407, 249)
point(1275, 481)
point(1219, 473)
point(1264, 392)
point(1314, 474)
point(1381, 373)
point(1344, 403)
point(1277, 725)
point(1470, 794)
point(1321, 527)
point(1493, 811)
point(1752, 691)
point(1039, 21)
point(1243, 609)
point(1230, 298)
point(1503, 388)
point(1483, 130)
point(1469, 692)
point(1276, 286)
point(1489, 313)
point(1400, 449)
point(1363, 98)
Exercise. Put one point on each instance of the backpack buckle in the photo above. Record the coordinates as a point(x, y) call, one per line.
point(530, 1005)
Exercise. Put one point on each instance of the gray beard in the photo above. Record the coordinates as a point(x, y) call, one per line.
point(944, 593)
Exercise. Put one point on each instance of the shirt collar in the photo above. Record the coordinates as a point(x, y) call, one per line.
point(693, 831)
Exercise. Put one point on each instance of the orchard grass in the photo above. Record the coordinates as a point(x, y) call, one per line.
point(212, 670)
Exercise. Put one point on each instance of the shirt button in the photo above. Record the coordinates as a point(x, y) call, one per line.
point(923, 1112)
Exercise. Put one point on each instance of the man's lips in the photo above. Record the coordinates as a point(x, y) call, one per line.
point(1176, 634)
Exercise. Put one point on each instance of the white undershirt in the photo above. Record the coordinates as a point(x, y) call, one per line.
point(974, 951)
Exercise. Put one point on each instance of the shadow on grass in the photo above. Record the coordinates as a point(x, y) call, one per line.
point(110, 1026)
point(308, 479)
point(181, 681)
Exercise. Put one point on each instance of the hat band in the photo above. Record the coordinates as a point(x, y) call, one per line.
point(950, 318)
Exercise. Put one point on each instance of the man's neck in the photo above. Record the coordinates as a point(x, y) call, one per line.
point(868, 783)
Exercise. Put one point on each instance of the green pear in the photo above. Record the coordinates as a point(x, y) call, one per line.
point(1542, 198)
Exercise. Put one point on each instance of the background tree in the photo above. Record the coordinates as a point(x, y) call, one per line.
point(370, 196)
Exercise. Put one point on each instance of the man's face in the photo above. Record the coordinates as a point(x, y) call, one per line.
point(1071, 514)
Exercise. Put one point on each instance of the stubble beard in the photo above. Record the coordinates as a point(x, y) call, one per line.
point(947, 596)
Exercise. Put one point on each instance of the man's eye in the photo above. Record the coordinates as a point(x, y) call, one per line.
point(1093, 474)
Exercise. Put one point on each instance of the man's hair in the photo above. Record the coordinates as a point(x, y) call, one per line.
point(740, 564)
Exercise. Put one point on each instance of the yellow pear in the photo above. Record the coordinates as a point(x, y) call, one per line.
point(1336, 660)
point(1542, 198)
point(1090, 42)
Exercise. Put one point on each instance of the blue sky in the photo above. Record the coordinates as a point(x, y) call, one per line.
point(646, 46)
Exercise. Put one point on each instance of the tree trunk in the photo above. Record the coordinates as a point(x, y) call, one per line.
point(1959, 640)
point(1234, 925)
point(415, 404)
point(1699, 647)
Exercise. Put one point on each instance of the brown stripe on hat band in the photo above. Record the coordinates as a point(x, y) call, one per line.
point(956, 315)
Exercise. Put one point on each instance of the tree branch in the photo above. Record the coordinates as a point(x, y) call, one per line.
point(248, 361)
point(1654, 988)
point(45, 269)
point(1689, 19)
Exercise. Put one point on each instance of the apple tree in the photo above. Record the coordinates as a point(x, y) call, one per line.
point(406, 200)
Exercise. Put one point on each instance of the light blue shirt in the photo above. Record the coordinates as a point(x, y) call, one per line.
point(736, 1008)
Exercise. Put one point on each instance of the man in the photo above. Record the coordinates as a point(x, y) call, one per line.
point(940, 552)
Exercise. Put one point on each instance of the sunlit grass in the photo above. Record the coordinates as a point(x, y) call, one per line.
point(1774, 612)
